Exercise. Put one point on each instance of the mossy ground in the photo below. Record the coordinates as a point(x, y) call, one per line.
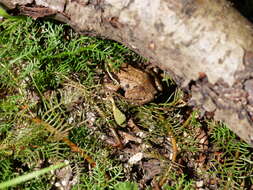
point(51, 87)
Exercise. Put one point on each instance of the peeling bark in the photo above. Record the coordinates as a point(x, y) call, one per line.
point(204, 44)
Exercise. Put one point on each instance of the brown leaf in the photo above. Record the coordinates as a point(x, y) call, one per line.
point(128, 137)
point(134, 128)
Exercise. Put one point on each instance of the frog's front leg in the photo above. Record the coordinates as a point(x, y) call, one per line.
point(112, 87)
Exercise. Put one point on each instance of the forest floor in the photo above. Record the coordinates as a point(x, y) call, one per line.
point(55, 108)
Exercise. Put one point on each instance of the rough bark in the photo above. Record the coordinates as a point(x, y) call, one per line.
point(205, 44)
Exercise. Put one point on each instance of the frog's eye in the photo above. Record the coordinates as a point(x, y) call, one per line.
point(126, 86)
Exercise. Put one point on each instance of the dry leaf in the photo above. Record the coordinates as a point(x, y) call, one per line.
point(119, 117)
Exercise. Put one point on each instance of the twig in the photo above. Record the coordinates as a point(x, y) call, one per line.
point(173, 142)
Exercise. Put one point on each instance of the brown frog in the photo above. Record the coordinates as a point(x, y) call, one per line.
point(139, 86)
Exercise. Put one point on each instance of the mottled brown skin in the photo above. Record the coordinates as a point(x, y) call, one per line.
point(138, 85)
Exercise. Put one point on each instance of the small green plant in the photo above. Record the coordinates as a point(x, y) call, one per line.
point(182, 183)
point(126, 186)
point(26, 177)
point(232, 161)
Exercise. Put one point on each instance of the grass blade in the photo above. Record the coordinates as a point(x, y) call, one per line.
point(29, 176)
